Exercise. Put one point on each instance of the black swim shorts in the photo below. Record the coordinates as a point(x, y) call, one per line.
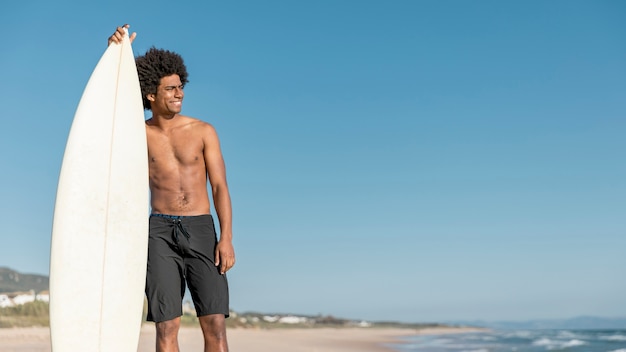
point(182, 249)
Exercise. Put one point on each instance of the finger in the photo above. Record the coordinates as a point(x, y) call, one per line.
point(132, 37)
point(230, 264)
point(227, 264)
point(115, 38)
point(120, 32)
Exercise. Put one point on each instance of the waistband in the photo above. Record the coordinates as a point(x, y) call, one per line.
point(177, 217)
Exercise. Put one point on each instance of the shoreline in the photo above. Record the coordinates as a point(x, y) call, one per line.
point(37, 339)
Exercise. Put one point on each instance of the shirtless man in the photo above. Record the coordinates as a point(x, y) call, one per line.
point(184, 153)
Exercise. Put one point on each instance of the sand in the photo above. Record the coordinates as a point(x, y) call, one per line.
point(246, 340)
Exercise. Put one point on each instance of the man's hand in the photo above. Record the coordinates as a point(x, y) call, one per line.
point(224, 256)
point(119, 35)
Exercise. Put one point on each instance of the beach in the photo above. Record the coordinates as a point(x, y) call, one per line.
point(37, 339)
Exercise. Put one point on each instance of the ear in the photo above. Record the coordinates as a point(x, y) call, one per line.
point(150, 97)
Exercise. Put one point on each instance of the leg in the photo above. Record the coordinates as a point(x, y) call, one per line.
point(208, 288)
point(214, 331)
point(167, 335)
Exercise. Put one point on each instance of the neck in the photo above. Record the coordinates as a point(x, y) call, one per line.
point(164, 121)
point(164, 118)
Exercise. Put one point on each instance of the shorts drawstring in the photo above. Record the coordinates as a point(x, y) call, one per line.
point(178, 227)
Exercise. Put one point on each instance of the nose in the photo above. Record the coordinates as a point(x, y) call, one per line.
point(179, 92)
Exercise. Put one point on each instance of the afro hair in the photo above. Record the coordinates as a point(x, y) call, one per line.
point(154, 65)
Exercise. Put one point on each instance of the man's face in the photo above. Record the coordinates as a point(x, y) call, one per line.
point(169, 96)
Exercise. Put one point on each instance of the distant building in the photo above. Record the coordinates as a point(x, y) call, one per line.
point(43, 296)
point(5, 301)
point(24, 297)
point(12, 299)
point(289, 319)
point(292, 320)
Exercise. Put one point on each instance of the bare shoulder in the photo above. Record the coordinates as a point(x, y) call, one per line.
point(190, 122)
point(200, 123)
point(205, 128)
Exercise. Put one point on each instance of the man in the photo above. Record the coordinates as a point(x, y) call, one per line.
point(183, 153)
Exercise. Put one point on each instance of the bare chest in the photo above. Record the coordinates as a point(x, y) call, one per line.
point(179, 148)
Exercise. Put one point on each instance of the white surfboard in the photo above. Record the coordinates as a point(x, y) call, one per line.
point(100, 229)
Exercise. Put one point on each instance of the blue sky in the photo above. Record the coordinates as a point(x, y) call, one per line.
point(388, 160)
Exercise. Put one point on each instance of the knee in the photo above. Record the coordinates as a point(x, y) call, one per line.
point(167, 329)
point(214, 326)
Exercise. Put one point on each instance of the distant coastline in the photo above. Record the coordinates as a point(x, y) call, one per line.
point(35, 313)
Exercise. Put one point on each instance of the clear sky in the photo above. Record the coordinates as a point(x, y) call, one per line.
point(387, 160)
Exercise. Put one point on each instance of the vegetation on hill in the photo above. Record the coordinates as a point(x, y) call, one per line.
point(13, 281)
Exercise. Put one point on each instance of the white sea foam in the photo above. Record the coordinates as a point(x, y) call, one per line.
point(555, 344)
point(543, 342)
point(573, 343)
point(616, 337)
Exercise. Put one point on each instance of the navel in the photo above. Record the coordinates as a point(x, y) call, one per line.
point(183, 200)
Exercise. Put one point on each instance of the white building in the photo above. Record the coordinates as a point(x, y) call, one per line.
point(292, 320)
point(24, 297)
point(43, 296)
point(5, 301)
point(12, 299)
point(285, 320)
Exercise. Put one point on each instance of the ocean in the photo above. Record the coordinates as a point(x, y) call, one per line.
point(519, 341)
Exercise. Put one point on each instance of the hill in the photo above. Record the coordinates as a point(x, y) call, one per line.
point(13, 281)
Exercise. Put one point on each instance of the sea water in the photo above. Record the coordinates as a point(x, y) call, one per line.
point(519, 341)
